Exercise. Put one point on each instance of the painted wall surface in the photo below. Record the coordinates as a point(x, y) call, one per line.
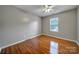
point(18, 25)
point(67, 25)
point(1, 26)
point(78, 24)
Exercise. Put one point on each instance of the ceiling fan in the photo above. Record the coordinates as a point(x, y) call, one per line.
point(47, 8)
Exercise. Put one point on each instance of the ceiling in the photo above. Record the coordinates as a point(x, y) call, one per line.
point(37, 9)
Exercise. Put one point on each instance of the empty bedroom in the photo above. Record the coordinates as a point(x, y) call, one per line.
point(39, 29)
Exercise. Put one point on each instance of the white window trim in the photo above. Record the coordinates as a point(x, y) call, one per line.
point(58, 25)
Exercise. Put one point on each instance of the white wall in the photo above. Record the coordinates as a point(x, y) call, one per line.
point(1, 25)
point(78, 24)
point(18, 25)
point(67, 25)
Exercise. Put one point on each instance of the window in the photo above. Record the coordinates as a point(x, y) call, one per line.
point(54, 24)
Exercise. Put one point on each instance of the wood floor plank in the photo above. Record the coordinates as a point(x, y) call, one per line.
point(41, 45)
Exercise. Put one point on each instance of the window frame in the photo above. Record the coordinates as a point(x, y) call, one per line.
point(57, 27)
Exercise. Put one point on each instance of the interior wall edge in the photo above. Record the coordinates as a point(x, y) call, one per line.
point(36, 36)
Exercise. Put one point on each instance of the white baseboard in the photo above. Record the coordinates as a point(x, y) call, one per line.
point(62, 38)
point(18, 42)
point(0, 50)
point(36, 36)
point(77, 42)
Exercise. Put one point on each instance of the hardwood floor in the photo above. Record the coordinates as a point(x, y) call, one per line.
point(41, 45)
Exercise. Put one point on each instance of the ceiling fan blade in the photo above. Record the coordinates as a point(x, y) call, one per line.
point(51, 6)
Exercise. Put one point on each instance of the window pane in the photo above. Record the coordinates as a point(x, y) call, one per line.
point(54, 24)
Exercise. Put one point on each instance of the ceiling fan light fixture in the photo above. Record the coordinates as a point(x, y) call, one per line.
point(47, 8)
